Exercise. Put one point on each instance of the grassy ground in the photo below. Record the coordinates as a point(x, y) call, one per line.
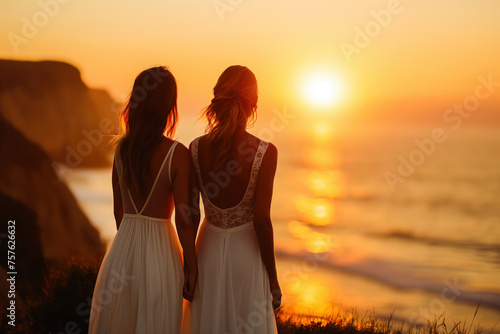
point(351, 322)
point(63, 306)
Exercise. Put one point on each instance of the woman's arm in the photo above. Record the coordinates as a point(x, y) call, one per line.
point(195, 196)
point(117, 197)
point(183, 222)
point(262, 219)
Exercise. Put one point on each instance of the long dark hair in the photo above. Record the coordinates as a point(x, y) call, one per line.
point(150, 113)
point(233, 106)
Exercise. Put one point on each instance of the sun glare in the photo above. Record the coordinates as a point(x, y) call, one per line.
point(322, 89)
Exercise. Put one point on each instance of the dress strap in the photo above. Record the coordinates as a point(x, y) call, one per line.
point(254, 173)
point(168, 156)
point(194, 156)
point(259, 156)
point(132, 200)
point(119, 170)
point(257, 162)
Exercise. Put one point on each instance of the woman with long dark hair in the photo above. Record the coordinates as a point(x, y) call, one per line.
point(237, 287)
point(141, 281)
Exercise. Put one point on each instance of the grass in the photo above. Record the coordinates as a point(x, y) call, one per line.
point(352, 322)
point(63, 306)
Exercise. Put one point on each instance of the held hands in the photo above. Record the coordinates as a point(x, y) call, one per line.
point(190, 277)
point(276, 294)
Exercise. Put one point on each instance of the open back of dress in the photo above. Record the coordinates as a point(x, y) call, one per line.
point(139, 285)
point(232, 294)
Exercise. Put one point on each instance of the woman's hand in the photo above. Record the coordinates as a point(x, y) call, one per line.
point(190, 277)
point(276, 294)
point(185, 227)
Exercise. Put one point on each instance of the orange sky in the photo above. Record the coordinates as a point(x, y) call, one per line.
point(424, 50)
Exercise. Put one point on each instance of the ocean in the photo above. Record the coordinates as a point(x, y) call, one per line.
point(402, 221)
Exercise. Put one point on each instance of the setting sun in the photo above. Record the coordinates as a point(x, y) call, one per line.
point(322, 89)
point(333, 161)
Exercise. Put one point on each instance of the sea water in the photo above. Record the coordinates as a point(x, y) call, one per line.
point(422, 247)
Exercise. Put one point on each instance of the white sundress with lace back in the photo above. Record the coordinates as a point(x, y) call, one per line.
point(139, 285)
point(232, 294)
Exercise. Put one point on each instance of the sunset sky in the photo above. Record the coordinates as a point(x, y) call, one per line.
point(350, 92)
point(425, 50)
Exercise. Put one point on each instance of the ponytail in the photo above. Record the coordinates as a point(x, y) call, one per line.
point(233, 105)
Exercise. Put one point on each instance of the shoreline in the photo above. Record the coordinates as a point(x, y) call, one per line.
point(66, 299)
point(324, 290)
point(337, 285)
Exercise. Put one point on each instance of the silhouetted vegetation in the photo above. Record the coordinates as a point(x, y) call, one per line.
point(63, 306)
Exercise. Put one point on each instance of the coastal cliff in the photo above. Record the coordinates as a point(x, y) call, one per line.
point(48, 102)
point(27, 176)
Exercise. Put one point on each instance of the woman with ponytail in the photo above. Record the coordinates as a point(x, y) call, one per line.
point(237, 287)
point(140, 284)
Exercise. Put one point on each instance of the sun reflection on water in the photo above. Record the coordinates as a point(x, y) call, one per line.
point(321, 211)
point(321, 159)
point(326, 184)
point(323, 185)
point(315, 242)
point(322, 131)
point(321, 243)
point(315, 211)
point(308, 295)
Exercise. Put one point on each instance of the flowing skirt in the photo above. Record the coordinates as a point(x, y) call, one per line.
point(139, 285)
point(232, 294)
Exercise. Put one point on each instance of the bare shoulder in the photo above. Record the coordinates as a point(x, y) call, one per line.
point(253, 140)
point(181, 160)
point(181, 153)
point(270, 157)
point(272, 149)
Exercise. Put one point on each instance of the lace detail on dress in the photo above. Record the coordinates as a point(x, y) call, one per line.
point(241, 213)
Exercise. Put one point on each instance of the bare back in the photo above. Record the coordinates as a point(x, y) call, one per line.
point(229, 193)
point(232, 180)
point(159, 200)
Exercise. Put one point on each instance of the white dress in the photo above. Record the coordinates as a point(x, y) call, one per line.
point(139, 285)
point(232, 294)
